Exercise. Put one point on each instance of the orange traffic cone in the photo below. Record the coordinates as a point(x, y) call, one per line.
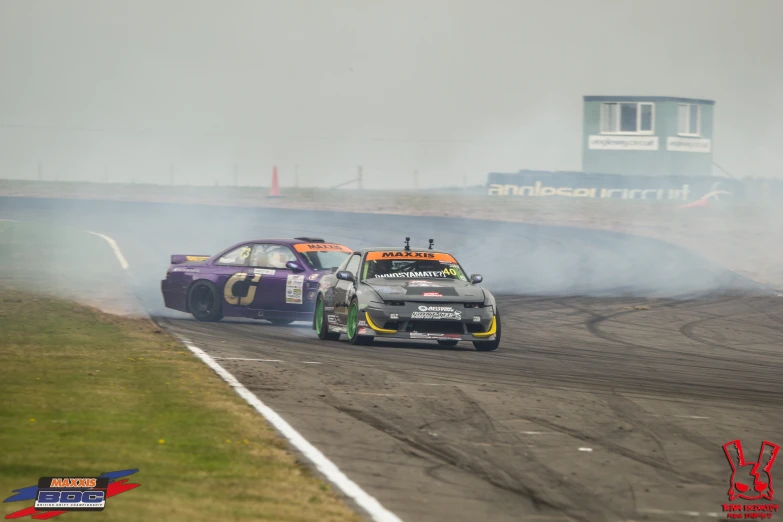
point(274, 190)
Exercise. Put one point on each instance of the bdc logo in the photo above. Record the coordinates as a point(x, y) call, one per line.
point(69, 494)
point(58, 495)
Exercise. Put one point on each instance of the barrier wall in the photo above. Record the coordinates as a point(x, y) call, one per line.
point(529, 183)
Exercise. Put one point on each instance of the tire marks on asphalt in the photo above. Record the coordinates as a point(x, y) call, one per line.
point(575, 372)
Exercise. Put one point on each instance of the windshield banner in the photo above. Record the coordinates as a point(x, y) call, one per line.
point(321, 247)
point(412, 256)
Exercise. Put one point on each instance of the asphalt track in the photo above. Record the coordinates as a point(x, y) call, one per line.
point(625, 365)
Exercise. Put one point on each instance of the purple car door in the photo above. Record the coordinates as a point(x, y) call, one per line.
point(238, 280)
point(279, 288)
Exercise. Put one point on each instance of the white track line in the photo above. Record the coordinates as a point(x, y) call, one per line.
point(240, 358)
point(684, 513)
point(113, 244)
point(332, 473)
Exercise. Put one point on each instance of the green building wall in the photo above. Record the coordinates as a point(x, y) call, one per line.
point(660, 162)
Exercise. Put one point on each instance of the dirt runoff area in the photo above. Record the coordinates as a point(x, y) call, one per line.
point(745, 238)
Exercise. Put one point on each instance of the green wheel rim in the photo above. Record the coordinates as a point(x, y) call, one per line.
point(353, 312)
point(319, 316)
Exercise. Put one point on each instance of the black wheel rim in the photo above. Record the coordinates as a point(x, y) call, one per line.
point(203, 300)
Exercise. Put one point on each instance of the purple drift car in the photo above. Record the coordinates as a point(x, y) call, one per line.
point(272, 279)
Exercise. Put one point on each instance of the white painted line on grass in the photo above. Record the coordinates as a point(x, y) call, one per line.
point(332, 473)
point(311, 362)
point(586, 449)
point(113, 244)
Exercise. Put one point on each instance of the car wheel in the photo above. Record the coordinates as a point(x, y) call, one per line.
point(204, 301)
point(488, 346)
point(448, 343)
point(321, 324)
point(352, 326)
point(280, 322)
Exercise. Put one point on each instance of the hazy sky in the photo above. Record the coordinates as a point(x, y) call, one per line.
point(452, 88)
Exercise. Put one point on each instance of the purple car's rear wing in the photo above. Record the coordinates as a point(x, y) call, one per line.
point(177, 259)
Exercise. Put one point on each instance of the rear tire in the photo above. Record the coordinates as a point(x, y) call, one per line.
point(204, 301)
point(488, 346)
point(448, 343)
point(321, 322)
point(352, 326)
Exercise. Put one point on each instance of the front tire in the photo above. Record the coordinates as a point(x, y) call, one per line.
point(488, 346)
point(204, 301)
point(352, 326)
point(321, 323)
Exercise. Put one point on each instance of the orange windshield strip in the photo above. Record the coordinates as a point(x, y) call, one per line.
point(321, 247)
point(412, 256)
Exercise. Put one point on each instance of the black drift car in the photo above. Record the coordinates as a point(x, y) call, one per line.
point(389, 293)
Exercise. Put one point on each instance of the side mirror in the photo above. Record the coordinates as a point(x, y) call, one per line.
point(345, 276)
point(295, 266)
point(476, 278)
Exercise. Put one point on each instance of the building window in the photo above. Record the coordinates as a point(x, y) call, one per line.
point(627, 118)
point(689, 119)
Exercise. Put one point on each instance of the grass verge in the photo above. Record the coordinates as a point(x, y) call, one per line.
point(86, 392)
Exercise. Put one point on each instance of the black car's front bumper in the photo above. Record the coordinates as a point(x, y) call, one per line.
point(429, 320)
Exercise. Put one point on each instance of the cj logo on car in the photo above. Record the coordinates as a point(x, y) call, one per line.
point(751, 480)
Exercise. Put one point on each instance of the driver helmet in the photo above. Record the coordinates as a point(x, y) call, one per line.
point(379, 268)
point(278, 257)
point(428, 266)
